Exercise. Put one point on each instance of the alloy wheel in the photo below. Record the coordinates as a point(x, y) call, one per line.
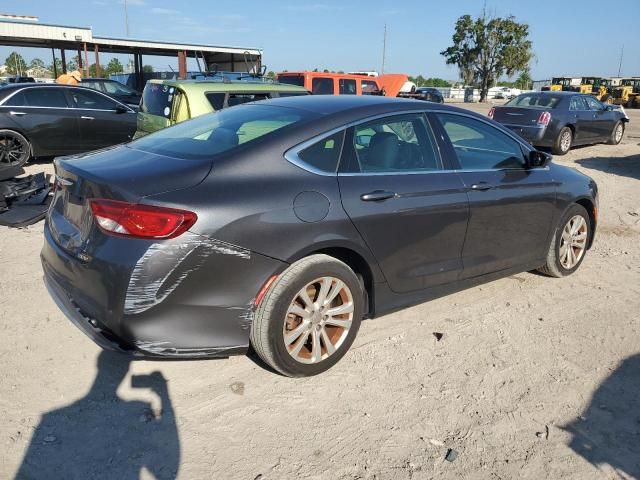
point(619, 132)
point(318, 320)
point(573, 242)
point(13, 150)
point(565, 141)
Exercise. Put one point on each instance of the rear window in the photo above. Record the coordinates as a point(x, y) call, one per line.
point(292, 80)
point(156, 99)
point(535, 101)
point(212, 134)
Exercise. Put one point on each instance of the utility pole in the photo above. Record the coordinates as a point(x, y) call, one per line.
point(384, 48)
point(620, 66)
point(126, 26)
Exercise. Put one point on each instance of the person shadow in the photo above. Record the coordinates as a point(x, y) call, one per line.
point(608, 432)
point(102, 436)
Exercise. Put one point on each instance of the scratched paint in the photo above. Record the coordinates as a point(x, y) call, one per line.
point(165, 265)
point(166, 350)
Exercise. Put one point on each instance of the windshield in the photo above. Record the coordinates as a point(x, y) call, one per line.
point(117, 88)
point(215, 133)
point(156, 99)
point(533, 101)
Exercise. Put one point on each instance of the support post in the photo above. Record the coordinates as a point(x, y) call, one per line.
point(86, 60)
point(64, 61)
point(98, 72)
point(55, 69)
point(80, 62)
point(182, 64)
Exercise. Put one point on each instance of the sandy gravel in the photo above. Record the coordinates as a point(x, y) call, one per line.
point(533, 378)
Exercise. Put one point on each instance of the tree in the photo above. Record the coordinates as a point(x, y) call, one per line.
point(15, 64)
point(58, 67)
point(271, 74)
point(37, 63)
point(114, 66)
point(484, 49)
point(524, 81)
point(147, 69)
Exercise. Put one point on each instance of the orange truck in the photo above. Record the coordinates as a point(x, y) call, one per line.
point(319, 83)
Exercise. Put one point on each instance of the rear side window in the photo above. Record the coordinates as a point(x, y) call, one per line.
point(17, 100)
point(157, 98)
point(216, 100)
point(240, 98)
point(347, 87)
point(479, 146)
point(292, 80)
point(40, 97)
point(577, 104)
point(325, 154)
point(322, 86)
point(209, 135)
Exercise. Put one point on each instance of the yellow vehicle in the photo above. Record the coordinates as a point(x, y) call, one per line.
point(628, 93)
point(599, 87)
point(559, 84)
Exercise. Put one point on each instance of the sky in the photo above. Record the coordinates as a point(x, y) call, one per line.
point(569, 38)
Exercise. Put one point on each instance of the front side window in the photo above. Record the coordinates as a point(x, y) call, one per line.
point(347, 86)
point(91, 84)
point(480, 146)
point(92, 101)
point(45, 97)
point(593, 104)
point(369, 87)
point(322, 86)
point(324, 154)
point(393, 144)
point(209, 135)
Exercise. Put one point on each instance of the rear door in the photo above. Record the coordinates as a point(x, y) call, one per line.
point(44, 115)
point(581, 117)
point(103, 121)
point(409, 209)
point(511, 206)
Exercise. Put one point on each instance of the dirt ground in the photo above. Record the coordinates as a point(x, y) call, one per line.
point(533, 378)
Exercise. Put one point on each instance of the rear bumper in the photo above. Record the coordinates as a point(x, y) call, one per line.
point(533, 135)
point(192, 298)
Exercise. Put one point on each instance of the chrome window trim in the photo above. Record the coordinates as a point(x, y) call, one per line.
point(291, 155)
point(17, 90)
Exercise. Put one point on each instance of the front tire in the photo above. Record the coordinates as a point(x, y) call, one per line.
point(309, 317)
point(563, 142)
point(616, 134)
point(15, 149)
point(569, 243)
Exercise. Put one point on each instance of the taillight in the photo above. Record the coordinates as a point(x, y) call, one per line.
point(544, 118)
point(492, 111)
point(140, 221)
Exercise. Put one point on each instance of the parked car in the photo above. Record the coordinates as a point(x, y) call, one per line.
point(166, 102)
point(41, 120)
point(283, 223)
point(117, 90)
point(21, 80)
point(560, 120)
point(430, 94)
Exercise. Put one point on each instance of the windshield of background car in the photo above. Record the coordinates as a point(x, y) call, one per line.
point(292, 80)
point(215, 133)
point(157, 98)
point(115, 88)
point(534, 101)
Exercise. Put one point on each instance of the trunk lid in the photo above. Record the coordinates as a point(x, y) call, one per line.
point(120, 173)
point(527, 117)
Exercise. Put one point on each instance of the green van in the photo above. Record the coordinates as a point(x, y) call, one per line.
point(167, 102)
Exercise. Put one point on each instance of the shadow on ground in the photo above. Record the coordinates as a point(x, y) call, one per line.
point(609, 430)
point(622, 166)
point(102, 436)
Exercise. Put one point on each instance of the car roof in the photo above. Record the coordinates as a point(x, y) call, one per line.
point(196, 86)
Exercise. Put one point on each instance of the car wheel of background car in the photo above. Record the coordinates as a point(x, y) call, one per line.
point(616, 134)
point(569, 243)
point(309, 317)
point(563, 142)
point(15, 149)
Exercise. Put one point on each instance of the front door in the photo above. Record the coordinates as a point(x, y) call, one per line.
point(103, 121)
point(410, 211)
point(603, 120)
point(511, 206)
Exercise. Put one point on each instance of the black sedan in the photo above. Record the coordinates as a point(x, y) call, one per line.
point(560, 120)
point(430, 94)
point(117, 90)
point(283, 223)
point(42, 120)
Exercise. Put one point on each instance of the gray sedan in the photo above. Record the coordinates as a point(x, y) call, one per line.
point(560, 120)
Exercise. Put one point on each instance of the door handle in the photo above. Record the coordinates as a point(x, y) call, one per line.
point(481, 186)
point(377, 196)
point(18, 114)
point(87, 118)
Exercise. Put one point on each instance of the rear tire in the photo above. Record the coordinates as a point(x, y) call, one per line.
point(569, 243)
point(294, 330)
point(15, 149)
point(616, 134)
point(563, 142)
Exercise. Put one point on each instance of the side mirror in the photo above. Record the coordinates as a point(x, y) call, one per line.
point(121, 109)
point(538, 159)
